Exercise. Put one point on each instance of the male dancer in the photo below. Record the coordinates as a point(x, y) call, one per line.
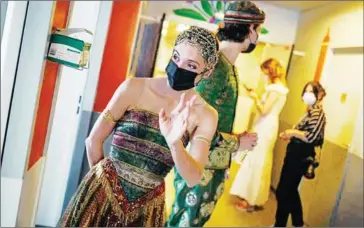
point(194, 206)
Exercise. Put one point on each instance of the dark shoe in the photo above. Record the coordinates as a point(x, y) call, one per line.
point(251, 209)
point(258, 208)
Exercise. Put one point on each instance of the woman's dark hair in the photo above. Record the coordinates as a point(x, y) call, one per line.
point(317, 89)
point(234, 32)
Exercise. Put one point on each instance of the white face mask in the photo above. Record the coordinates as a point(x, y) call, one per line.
point(309, 98)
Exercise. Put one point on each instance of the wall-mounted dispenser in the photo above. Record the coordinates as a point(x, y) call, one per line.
point(67, 50)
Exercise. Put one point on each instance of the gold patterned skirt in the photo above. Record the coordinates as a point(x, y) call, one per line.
point(101, 201)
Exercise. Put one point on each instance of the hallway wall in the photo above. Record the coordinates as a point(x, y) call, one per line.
point(349, 211)
point(349, 208)
point(346, 25)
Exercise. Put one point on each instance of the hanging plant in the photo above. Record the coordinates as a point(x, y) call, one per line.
point(209, 11)
point(190, 13)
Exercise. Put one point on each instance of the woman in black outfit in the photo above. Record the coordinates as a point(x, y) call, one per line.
point(303, 138)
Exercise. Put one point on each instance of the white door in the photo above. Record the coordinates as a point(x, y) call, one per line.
point(343, 82)
point(65, 122)
point(12, 20)
point(60, 147)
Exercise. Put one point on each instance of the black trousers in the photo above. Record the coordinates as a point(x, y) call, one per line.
point(288, 197)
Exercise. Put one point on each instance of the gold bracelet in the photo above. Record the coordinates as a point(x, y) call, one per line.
point(203, 139)
point(108, 117)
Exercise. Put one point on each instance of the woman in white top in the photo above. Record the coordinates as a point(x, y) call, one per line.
point(252, 182)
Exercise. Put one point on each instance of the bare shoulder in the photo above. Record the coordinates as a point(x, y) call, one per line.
point(132, 86)
point(206, 111)
point(211, 112)
point(134, 82)
point(129, 91)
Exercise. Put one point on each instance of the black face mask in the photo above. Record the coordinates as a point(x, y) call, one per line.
point(180, 79)
point(251, 46)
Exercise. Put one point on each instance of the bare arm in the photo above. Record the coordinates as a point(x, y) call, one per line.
point(264, 108)
point(289, 133)
point(190, 164)
point(127, 93)
point(316, 124)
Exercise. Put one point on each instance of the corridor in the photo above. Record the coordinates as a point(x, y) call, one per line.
point(48, 108)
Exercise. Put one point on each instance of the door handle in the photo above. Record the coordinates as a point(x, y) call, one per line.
point(347, 146)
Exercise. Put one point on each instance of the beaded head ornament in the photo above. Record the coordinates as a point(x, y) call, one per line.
point(204, 41)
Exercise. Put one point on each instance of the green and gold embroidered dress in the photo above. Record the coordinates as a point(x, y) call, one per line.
point(194, 206)
point(126, 189)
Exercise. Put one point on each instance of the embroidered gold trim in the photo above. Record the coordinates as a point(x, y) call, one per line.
point(157, 204)
point(108, 189)
point(139, 178)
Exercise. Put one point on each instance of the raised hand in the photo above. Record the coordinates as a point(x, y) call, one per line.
point(174, 125)
point(248, 140)
point(247, 88)
point(253, 95)
point(251, 92)
point(283, 136)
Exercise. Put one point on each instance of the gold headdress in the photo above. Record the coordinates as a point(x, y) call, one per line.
point(204, 40)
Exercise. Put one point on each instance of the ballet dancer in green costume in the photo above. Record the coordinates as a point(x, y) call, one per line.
point(239, 34)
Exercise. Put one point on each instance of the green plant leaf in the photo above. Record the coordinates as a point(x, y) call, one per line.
point(228, 5)
point(218, 6)
point(206, 6)
point(190, 13)
point(264, 31)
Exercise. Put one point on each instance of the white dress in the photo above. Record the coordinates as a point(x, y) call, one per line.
point(252, 182)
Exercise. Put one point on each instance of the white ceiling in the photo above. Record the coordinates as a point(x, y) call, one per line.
point(299, 5)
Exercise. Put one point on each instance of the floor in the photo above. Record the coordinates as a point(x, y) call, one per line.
point(225, 213)
point(319, 196)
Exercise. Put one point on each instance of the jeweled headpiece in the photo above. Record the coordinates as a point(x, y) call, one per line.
point(204, 40)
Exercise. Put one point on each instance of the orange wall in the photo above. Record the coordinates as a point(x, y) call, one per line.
point(322, 57)
point(47, 91)
point(122, 28)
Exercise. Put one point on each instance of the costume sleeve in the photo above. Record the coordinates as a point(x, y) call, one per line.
point(221, 149)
